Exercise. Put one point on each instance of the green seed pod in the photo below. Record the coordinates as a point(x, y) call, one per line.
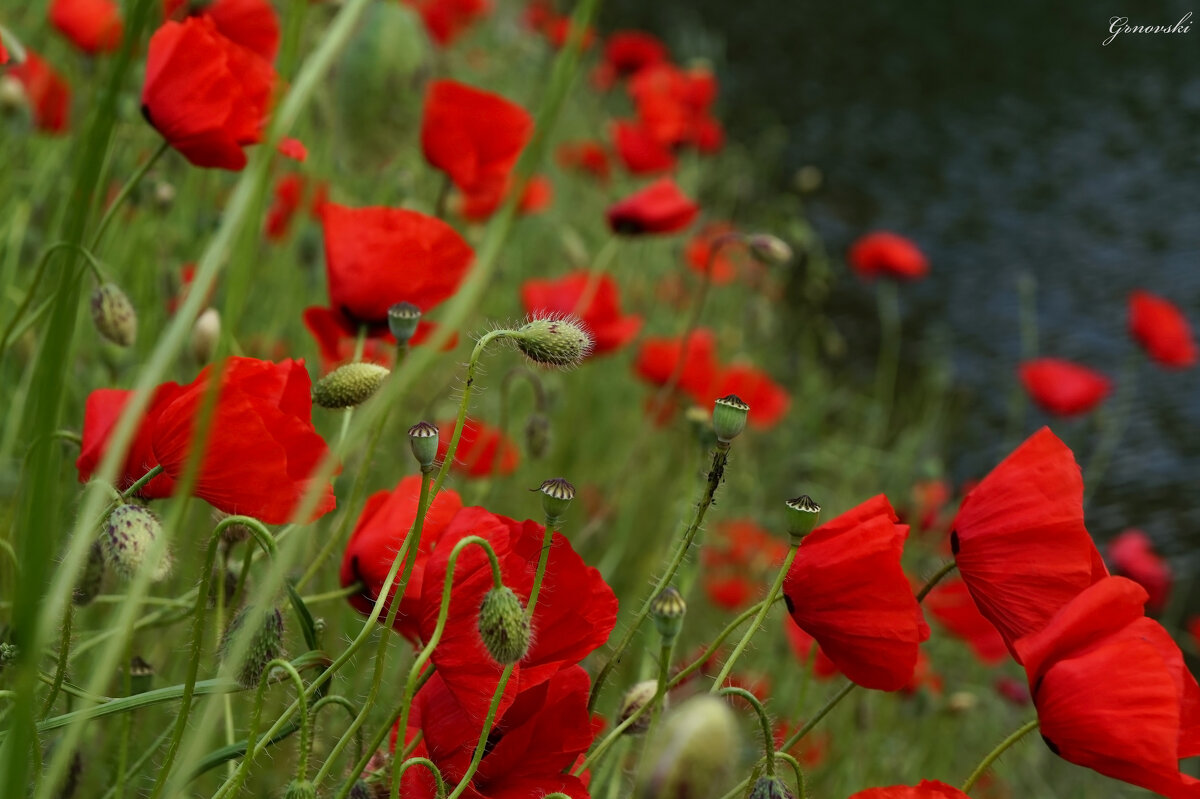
point(769, 250)
point(770, 788)
point(92, 578)
point(559, 342)
point(803, 517)
point(265, 646)
point(556, 498)
point(503, 626)
point(114, 315)
point(423, 436)
point(301, 789)
point(129, 534)
point(349, 385)
point(693, 754)
point(141, 676)
point(635, 699)
point(668, 609)
point(729, 417)
point(403, 318)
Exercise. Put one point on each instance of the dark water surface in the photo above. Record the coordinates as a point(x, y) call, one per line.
point(1003, 138)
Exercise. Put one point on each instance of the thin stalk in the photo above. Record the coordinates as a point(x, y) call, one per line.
point(129, 186)
point(776, 587)
point(889, 355)
point(696, 664)
point(1000, 749)
point(256, 718)
point(935, 579)
point(764, 722)
point(429, 764)
point(60, 670)
point(10, 330)
point(139, 764)
point(341, 701)
point(1114, 427)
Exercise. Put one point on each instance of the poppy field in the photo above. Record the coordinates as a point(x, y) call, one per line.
point(431, 399)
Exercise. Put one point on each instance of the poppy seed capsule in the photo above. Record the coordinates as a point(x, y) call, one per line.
point(423, 436)
point(729, 417)
point(668, 609)
point(556, 498)
point(803, 517)
point(265, 646)
point(114, 315)
point(129, 534)
point(634, 700)
point(693, 754)
point(403, 318)
point(92, 578)
point(770, 788)
point(555, 342)
point(503, 627)
point(769, 250)
point(141, 676)
point(349, 385)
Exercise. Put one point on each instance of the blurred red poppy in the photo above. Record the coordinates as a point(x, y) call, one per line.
point(730, 255)
point(1162, 330)
point(951, 604)
point(738, 562)
point(446, 20)
point(94, 26)
point(48, 93)
point(1019, 538)
point(657, 208)
point(1063, 387)
point(1013, 690)
point(1132, 555)
point(483, 450)
point(930, 498)
point(659, 359)
point(674, 104)
point(479, 206)
point(1112, 691)
point(586, 156)
point(288, 195)
point(101, 411)
point(474, 136)
point(768, 400)
point(602, 314)
point(628, 52)
point(883, 254)
point(206, 95)
point(925, 789)
point(640, 152)
point(846, 589)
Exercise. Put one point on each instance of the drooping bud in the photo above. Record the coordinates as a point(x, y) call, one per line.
point(265, 646)
point(129, 534)
point(141, 676)
point(206, 332)
point(770, 788)
point(803, 517)
point(556, 498)
point(503, 627)
point(693, 754)
point(92, 578)
point(403, 318)
point(301, 789)
point(423, 436)
point(537, 435)
point(668, 609)
point(114, 315)
point(634, 700)
point(560, 342)
point(349, 385)
point(769, 250)
point(729, 417)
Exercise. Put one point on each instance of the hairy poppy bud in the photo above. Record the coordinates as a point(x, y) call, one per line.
point(729, 417)
point(770, 788)
point(693, 754)
point(537, 435)
point(300, 789)
point(423, 436)
point(129, 535)
point(349, 385)
point(403, 318)
point(93, 576)
point(265, 646)
point(503, 626)
point(803, 517)
point(556, 498)
point(554, 341)
point(114, 315)
point(206, 332)
point(768, 249)
point(8, 655)
point(668, 609)
point(634, 700)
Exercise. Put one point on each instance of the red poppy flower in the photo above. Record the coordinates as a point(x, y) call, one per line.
point(376, 257)
point(883, 254)
point(446, 20)
point(94, 26)
point(474, 136)
point(482, 451)
point(767, 399)
point(253, 24)
point(659, 358)
point(1162, 330)
point(729, 258)
point(1019, 539)
point(101, 412)
point(1193, 628)
point(641, 153)
point(479, 206)
point(803, 645)
point(1132, 555)
point(586, 156)
point(205, 94)
point(289, 193)
point(602, 315)
point(262, 448)
point(541, 735)
point(1112, 691)
point(381, 529)
point(846, 589)
point(925, 789)
point(1062, 387)
point(738, 562)
point(337, 339)
point(673, 104)
point(628, 52)
point(951, 604)
point(48, 93)
point(658, 208)
point(575, 614)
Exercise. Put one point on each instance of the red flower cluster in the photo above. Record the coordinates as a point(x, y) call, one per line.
point(594, 299)
point(727, 261)
point(1063, 387)
point(625, 54)
point(586, 156)
point(675, 105)
point(94, 26)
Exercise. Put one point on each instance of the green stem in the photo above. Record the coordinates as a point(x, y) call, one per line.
point(1114, 428)
point(60, 671)
point(935, 579)
point(1000, 749)
point(696, 664)
point(429, 764)
point(10, 330)
point(256, 718)
point(129, 186)
point(334, 699)
point(340, 593)
point(764, 722)
point(140, 763)
point(889, 354)
point(801, 790)
point(140, 483)
point(599, 267)
point(776, 587)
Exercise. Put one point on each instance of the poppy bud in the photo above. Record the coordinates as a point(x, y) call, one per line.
point(93, 576)
point(560, 342)
point(729, 417)
point(164, 194)
point(12, 95)
point(300, 789)
point(231, 533)
point(668, 609)
point(349, 385)
point(114, 315)
point(803, 517)
point(403, 318)
point(141, 676)
point(8, 655)
point(634, 700)
point(206, 332)
point(502, 625)
point(267, 645)
point(770, 788)
point(693, 753)
point(537, 435)
point(556, 498)
point(961, 702)
point(423, 436)
point(768, 249)
point(129, 535)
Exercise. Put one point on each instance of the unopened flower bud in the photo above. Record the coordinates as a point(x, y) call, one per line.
point(114, 315)
point(668, 609)
point(770, 788)
point(503, 627)
point(634, 700)
point(961, 702)
point(349, 385)
point(12, 95)
point(265, 646)
point(693, 754)
point(141, 676)
point(423, 436)
point(164, 194)
point(129, 534)
point(206, 332)
point(300, 789)
point(554, 341)
point(556, 498)
point(92, 578)
point(403, 318)
point(537, 435)
point(729, 417)
point(768, 249)
point(231, 533)
point(803, 517)
point(8, 655)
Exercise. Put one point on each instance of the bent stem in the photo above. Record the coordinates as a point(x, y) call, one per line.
point(763, 720)
point(429, 764)
point(776, 587)
point(889, 355)
point(1000, 749)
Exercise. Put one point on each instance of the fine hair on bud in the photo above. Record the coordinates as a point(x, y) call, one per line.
point(558, 341)
point(503, 626)
point(770, 788)
point(130, 532)
point(114, 315)
point(300, 789)
point(349, 385)
point(265, 646)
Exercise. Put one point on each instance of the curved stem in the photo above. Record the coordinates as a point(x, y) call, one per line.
point(140, 483)
point(43, 263)
point(256, 718)
point(429, 764)
point(1000, 749)
point(935, 579)
point(365, 756)
point(764, 721)
point(129, 186)
point(801, 790)
point(695, 665)
point(334, 699)
point(756, 624)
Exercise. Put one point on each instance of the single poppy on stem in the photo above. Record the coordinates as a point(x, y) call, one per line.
point(94, 26)
point(1163, 331)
